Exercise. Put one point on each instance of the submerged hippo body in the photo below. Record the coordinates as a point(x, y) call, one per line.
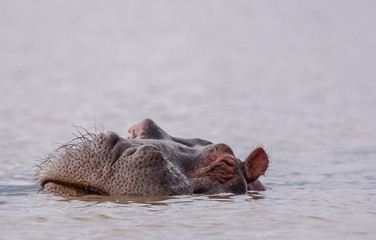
point(150, 163)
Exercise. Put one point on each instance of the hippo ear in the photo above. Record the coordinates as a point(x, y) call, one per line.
point(256, 164)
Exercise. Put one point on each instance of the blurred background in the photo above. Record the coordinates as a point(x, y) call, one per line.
point(291, 74)
point(297, 77)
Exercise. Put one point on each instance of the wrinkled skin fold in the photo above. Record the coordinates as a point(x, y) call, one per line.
point(149, 162)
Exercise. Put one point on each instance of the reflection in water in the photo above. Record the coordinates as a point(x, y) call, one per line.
point(221, 197)
point(255, 196)
point(158, 200)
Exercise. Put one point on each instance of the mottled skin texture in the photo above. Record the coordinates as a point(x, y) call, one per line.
point(149, 162)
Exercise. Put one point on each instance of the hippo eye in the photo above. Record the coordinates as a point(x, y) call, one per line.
point(228, 162)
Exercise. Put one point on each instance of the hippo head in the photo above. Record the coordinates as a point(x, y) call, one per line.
point(149, 162)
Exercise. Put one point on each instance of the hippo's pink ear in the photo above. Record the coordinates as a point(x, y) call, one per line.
point(256, 164)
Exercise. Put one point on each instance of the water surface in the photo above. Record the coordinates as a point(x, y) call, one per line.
point(296, 77)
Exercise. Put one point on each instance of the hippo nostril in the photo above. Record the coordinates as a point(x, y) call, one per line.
point(147, 149)
point(129, 151)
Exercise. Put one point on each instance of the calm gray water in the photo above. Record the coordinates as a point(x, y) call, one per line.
point(297, 77)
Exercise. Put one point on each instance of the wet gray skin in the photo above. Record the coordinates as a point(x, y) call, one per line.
point(149, 163)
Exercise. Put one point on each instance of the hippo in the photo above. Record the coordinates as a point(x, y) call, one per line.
point(149, 162)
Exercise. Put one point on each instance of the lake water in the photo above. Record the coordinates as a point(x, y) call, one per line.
point(296, 77)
